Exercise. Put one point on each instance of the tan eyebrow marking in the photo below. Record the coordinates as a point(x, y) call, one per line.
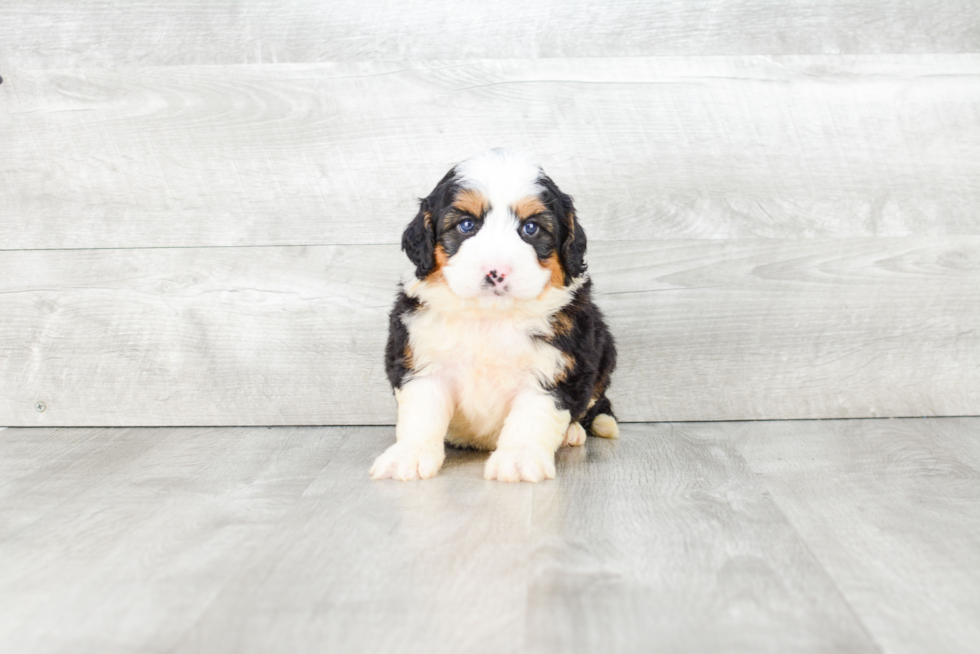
point(472, 202)
point(528, 206)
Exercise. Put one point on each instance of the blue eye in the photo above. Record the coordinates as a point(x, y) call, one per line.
point(467, 226)
point(530, 229)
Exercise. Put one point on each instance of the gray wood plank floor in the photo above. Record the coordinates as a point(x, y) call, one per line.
point(827, 536)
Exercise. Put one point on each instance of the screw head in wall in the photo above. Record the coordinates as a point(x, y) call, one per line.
point(40, 407)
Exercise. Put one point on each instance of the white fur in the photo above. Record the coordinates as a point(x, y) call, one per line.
point(479, 370)
point(424, 409)
point(532, 432)
point(504, 178)
point(497, 246)
point(485, 355)
point(575, 435)
point(500, 175)
point(478, 382)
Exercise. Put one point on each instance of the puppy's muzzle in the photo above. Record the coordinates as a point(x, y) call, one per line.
point(496, 278)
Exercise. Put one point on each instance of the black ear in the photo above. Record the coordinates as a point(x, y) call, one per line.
point(419, 238)
point(572, 241)
point(419, 241)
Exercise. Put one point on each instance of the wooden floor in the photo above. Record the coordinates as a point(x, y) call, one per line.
point(831, 536)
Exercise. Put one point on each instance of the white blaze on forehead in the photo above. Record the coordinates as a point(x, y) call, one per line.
point(503, 177)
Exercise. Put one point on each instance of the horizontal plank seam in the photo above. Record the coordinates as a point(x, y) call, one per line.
point(391, 424)
point(213, 247)
point(468, 61)
point(592, 241)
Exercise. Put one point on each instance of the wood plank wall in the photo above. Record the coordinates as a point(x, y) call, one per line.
point(200, 202)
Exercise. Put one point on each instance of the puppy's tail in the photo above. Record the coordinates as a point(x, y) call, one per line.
point(600, 420)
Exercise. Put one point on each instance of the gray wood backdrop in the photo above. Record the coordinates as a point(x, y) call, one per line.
point(200, 202)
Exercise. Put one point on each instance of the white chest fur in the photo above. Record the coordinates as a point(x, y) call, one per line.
point(484, 355)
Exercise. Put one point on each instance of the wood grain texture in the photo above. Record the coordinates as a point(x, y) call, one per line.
point(893, 517)
point(198, 336)
point(252, 540)
point(45, 34)
point(651, 148)
point(706, 330)
point(661, 542)
point(958, 436)
point(124, 555)
point(362, 566)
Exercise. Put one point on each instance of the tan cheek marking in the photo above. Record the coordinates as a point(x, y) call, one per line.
point(528, 206)
point(436, 275)
point(407, 353)
point(472, 202)
point(557, 274)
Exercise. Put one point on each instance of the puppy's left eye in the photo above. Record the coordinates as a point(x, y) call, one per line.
point(467, 226)
point(530, 228)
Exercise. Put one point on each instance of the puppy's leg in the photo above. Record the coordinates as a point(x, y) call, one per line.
point(532, 432)
point(425, 406)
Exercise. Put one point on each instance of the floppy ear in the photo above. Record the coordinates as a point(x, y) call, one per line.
point(572, 241)
point(419, 238)
point(419, 241)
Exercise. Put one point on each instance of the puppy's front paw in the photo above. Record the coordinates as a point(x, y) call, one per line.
point(575, 435)
point(406, 461)
point(520, 464)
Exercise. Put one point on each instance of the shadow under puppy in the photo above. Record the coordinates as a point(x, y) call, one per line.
point(496, 344)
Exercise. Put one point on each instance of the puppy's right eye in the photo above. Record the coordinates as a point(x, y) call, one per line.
point(467, 226)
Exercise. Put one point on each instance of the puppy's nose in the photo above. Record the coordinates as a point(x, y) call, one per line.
point(496, 274)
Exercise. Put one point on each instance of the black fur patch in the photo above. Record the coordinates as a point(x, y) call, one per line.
point(571, 236)
point(545, 240)
point(398, 364)
point(419, 238)
point(448, 234)
point(581, 333)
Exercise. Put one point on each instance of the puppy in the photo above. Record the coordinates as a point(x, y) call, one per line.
point(496, 344)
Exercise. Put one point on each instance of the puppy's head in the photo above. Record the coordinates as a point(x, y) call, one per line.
point(496, 227)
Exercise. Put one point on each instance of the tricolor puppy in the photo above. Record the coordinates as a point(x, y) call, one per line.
point(497, 344)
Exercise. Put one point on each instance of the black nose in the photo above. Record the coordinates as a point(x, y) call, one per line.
point(494, 277)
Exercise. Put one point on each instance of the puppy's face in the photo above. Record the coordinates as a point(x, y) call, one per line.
point(496, 227)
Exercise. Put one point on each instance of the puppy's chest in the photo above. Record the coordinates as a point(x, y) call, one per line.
point(499, 353)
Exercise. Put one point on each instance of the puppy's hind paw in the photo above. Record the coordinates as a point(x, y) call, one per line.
point(520, 464)
point(605, 426)
point(407, 461)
